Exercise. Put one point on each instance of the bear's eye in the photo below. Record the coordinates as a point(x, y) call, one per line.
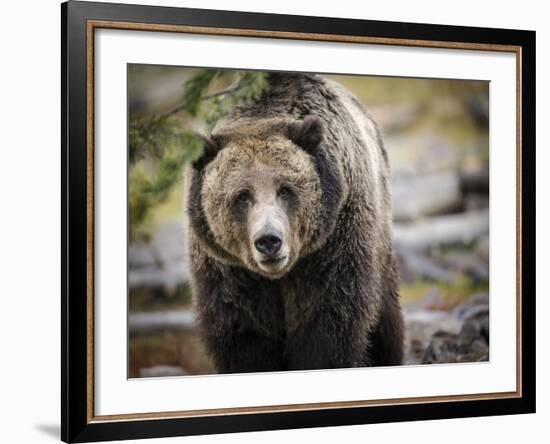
point(285, 192)
point(242, 198)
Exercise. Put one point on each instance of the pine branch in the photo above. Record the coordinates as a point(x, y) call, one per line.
point(182, 107)
point(166, 144)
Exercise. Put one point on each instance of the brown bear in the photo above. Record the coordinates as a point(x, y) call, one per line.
point(288, 213)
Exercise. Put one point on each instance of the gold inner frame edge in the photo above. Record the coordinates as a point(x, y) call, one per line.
point(234, 32)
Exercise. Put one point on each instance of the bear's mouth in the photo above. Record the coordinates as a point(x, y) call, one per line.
point(272, 267)
point(273, 261)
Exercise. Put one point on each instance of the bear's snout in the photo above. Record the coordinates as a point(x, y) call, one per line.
point(269, 244)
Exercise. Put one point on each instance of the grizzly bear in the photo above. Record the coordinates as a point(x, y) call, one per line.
point(288, 215)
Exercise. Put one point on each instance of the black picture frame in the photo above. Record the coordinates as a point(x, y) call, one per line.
point(76, 327)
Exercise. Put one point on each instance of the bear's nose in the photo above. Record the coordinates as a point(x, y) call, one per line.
point(268, 244)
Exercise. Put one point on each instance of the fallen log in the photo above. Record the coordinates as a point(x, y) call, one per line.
point(416, 196)
point(179, 319)
point(441, 230)
point(161, 371)
point(467, 263)
point(160, 263)
point(428, 195)
point(414, 265)
point(169, 278)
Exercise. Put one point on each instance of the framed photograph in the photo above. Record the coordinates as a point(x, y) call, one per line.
point(275, 221)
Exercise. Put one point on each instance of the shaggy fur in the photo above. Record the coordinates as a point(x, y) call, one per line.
point(335, 304)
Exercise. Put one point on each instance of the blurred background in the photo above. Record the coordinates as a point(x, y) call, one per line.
point(437, 136)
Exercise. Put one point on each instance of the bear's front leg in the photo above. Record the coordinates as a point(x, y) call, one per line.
point(330, 329)
point(235, 341)
point(322, 344)
point(245, 351)
point(240, 321)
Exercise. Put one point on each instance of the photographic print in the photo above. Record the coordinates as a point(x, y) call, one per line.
point(275, 222)
point(283, 221)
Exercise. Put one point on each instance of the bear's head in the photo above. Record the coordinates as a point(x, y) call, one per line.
point(261, 192)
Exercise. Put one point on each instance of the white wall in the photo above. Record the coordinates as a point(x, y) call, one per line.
point(29, 225)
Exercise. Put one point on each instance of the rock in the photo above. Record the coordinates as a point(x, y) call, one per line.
point(434, 335)
point(471, 344)
point(442, 348)
point(421, 325)
point(475, 304)
point(477, 325)
point(448, 348)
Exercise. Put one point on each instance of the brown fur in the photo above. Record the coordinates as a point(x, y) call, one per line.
point(261, 163)
point(334, 304)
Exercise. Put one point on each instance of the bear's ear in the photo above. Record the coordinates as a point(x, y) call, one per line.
point(211, 146)
point(307, 133)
